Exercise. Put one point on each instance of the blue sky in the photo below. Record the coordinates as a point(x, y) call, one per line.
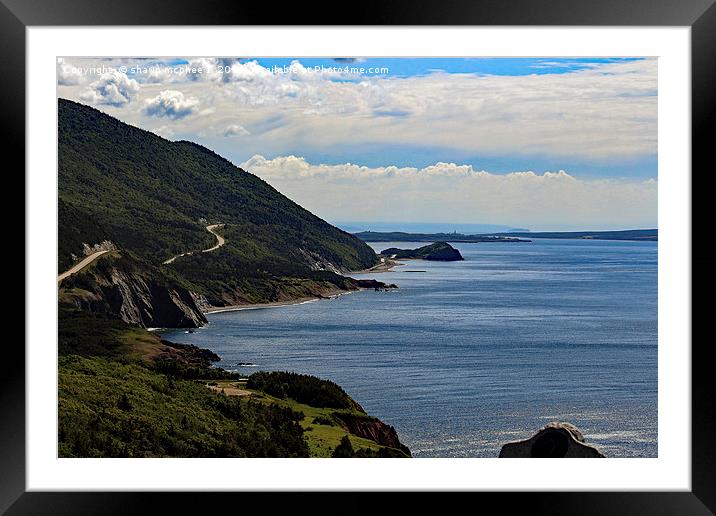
point(544, 143)
point(402, 67)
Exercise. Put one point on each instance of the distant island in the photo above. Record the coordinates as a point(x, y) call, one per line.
point(651, 235)
point(628, 234)
point(399, 236)
point(439, 251)
point(427, 227)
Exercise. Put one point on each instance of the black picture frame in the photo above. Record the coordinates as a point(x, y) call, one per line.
point(700, 15)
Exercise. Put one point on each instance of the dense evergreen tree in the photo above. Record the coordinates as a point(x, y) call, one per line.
point(302, 388)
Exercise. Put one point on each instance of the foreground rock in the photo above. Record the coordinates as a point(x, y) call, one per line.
point(555, 440)
point(439, 251)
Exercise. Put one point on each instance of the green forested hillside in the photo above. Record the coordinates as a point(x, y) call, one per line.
point(155, 197)
point(75, 228)
point(149, 193)
point(114, 409)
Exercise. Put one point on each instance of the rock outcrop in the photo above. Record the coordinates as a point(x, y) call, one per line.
point(370, 284)
point(373, 429)
point(316, 262)
point(554, 440)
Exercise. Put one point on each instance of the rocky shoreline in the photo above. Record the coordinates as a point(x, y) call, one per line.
point(129, 290)
point(329, 294)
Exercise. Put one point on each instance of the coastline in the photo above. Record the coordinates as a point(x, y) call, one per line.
point(330, 294)
point(276, 304)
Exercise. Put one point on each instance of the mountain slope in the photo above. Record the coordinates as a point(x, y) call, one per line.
point(150, 192)
point(153, 199)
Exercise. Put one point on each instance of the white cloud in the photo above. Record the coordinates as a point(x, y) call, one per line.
point(222, 70)
point(248, 72)
point(449, 192)
point(207, 69)
point(606, 112)
point(235, 130)
point(157, 74)
point(170, 104)
point(164, 131)
point(113, 88)
point(68, 74)
point(231, 70)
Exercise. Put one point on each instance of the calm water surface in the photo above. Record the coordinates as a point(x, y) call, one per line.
point(468, 355)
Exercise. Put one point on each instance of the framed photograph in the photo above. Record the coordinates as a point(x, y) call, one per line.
point(458, 237)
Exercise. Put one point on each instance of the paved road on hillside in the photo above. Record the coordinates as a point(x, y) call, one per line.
point(219, 242)
point(84, 263)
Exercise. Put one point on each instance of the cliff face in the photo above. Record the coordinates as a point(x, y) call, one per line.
point(373, 429)
point(124, 289)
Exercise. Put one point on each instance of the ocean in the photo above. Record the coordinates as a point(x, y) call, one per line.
point(466, 356)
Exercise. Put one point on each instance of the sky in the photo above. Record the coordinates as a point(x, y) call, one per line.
point(538, 143)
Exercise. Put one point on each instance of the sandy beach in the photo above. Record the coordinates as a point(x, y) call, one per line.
point(384, 266)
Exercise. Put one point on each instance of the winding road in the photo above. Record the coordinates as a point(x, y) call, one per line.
point(81, 265)
point(89, 259)
point(219, 242)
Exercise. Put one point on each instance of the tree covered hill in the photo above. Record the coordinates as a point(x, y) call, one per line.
point(153, 198)
point(148, 194)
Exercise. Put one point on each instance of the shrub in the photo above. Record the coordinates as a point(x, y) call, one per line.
point(344, 449)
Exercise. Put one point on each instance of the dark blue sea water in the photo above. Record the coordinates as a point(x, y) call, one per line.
point(468, 355)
